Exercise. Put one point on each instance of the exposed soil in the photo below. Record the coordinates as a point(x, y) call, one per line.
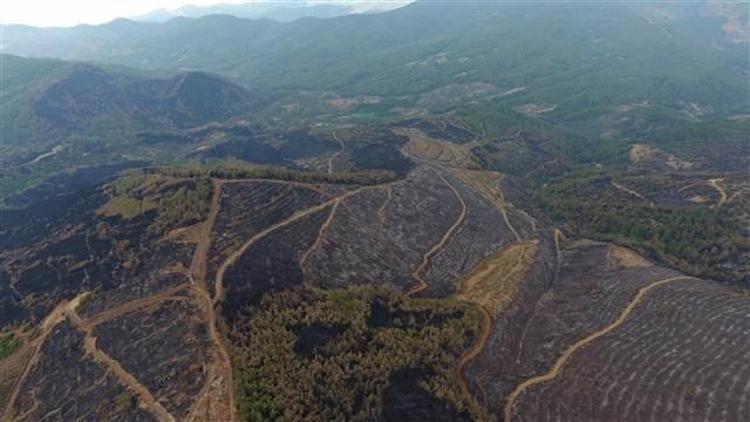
point(558, 366)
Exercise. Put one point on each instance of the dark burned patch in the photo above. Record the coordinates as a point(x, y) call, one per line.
point(258, 145)
point(66, 384)
point(312, 339)
point(10, 310)
point(39, 279)
point(251, 149)
point(63, 199)
point(299, 144)
point(444, 131)
point(373, 148)
point(166, 348)
point(406, 400)
point(381, 156)
point(383, 315)
point(270, 265)
point(73, 246)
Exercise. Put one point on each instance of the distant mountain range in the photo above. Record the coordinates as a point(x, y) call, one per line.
point(282, 12)
point(576, 56)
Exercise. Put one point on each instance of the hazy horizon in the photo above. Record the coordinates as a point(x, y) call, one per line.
point(50, 13)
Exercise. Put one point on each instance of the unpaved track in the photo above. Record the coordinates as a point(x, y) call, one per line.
point(125, 378)
point(132, 306)
point(469, 355)
point(200, 256)
point(210, 303)
point(334, 156)
point(382, 210)
point(224, 364)
point(200, 290)
point(318, 241)
point(219, 282)
point(499, 204)
point(417, 274)
point(55, 317)
point(486, 323)
point(558, 366)
point(716, 184)
point(457, 171)
point(305, 185)
point(633, 193)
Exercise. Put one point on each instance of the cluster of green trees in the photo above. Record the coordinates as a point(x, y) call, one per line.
point(187, 205)
point(243, 170)
point(697, 239)
point(177, 202)
point(323, 355)
point(9, 343)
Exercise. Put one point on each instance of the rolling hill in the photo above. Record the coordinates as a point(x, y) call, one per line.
point(576, 57)
point(448, 211)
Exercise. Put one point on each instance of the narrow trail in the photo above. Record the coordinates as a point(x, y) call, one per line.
point(417, 274)
point(274, 181)
point(335, 155)
point(318, 241)
point(499, 204)
point(381, 211)
point(560, 363)
point(224, 364)
point(486, 324)
point(200, 256)
point(56, 316)
point(556, 236)
point(132, 306)
point(457, 171)
point(510, 226)
point(219, 282)
point(125, 378)
point(210, 303)
point(716, 184)
point(469, 355)
point(199, 287)
point(633, 193)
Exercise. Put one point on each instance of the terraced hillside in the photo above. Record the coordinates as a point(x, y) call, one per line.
point(664, 350)
point(194, 293)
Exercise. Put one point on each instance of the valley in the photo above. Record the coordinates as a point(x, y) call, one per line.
point(489, 211)
point(244, 249)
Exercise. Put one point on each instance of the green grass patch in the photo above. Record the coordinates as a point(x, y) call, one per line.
point(9, 343)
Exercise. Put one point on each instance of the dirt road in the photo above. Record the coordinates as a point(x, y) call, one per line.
point(417, 274)
point(335, 155)
point(560, 363)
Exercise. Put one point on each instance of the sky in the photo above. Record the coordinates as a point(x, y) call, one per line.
point(73, 12)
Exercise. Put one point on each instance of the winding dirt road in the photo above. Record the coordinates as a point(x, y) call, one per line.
point(560, 363)
point(476, 349)
point(634, 193)
point(199, 287)
point(417, 274)
point(716, 184)
point(125, 378)
point(219, 282)
point(56, 316)
point(318, 241)
point(335, 155)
